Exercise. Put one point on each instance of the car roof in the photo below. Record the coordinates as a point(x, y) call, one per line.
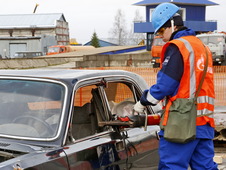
point(66, 74)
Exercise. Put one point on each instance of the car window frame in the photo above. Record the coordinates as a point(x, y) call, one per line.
point(99, 81)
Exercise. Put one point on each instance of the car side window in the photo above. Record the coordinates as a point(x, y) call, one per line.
point(83, 121)
point(94, 105)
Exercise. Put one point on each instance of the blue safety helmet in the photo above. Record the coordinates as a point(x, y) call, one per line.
point(162, 13)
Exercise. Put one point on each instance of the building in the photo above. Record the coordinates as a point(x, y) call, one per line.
point(193, 13)
point(31, 33)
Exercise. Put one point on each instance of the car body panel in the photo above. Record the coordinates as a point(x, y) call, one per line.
point(110, 146)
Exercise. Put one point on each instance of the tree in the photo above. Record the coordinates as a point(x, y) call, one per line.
point(136, 38)
point(119, 31)
point(94, 40)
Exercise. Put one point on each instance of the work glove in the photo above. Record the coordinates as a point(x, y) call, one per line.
point(138, 107)
point(137, 120)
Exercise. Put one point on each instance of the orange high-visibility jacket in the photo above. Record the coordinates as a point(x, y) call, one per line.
point(194, 57)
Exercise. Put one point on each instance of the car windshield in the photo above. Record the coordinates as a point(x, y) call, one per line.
point(53, 49)
point(30, 109)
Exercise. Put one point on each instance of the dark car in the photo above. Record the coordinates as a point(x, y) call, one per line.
point(67, 119)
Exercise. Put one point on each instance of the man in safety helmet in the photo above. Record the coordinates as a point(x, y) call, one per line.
point(182, 62)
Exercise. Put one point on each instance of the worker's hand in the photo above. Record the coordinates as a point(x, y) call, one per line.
point(137, 120)
point(138, 107)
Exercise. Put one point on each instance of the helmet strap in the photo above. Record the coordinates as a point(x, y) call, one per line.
point(172, 24)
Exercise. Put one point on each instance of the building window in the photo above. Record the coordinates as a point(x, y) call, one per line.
point(10, 33)
point(33, 32)
point(182, 13)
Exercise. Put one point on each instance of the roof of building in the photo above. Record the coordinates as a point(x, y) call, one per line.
point(100, 50)
point(30, 20)
point(184, 2)
point(102, 43)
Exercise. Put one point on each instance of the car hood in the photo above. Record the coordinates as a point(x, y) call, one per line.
point(10, 150)
point(14, 155)
point(11, 146)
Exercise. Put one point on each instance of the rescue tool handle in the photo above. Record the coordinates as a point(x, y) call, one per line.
point(115, 123)
point(146, 119)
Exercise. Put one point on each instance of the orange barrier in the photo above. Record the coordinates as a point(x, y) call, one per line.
point(220, 85)
point(149, 74)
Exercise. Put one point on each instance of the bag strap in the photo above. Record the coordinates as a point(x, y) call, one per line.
point(203, 76)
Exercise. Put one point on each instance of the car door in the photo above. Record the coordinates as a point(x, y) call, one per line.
point(97, 140)
point(138, 145)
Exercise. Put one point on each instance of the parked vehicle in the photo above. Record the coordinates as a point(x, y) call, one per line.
point(67, 119)
point(156, 50)
point(57, 49)
point(27, 54)
point(217, 44)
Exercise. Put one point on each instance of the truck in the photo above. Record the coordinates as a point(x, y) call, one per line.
point(156, 50)
point(216, 41)
point(58, 49)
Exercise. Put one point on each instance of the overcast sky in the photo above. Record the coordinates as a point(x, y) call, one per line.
point(86, 16)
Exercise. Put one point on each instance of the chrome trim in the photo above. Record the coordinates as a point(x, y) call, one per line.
point(97, 135)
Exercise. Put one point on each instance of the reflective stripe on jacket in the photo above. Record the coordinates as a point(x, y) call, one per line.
point(194, 57)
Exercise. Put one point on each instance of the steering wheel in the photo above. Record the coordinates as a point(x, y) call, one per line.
point(44, 129)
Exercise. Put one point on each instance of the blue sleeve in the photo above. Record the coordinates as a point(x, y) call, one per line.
point(168, 78)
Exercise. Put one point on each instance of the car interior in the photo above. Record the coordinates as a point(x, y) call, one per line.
point(95, 107)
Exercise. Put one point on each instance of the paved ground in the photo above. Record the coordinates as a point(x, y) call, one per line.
point(220, 158)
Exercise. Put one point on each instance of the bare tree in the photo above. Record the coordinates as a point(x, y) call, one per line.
point(136, 38)
point(119, 31)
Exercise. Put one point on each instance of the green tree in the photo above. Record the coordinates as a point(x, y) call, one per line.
point(95, 41)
